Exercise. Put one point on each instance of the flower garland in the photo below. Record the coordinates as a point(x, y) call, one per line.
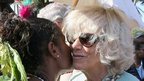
point(25, 9)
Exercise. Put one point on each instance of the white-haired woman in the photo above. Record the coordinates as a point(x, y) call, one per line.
point(101, 42)
point(54, 12)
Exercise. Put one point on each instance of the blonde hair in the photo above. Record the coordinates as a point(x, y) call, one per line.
point(116, 50)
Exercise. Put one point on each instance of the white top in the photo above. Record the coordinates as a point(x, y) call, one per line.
point(77, 75)
point(140, 71)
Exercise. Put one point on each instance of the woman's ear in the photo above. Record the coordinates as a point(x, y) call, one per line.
point(53, 50)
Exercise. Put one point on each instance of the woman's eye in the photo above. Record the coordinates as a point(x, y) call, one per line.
point(86, 37)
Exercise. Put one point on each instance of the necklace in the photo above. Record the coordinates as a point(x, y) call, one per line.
point(31, 75)
point(112, 78)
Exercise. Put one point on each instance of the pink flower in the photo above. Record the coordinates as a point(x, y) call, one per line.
point(25, 12)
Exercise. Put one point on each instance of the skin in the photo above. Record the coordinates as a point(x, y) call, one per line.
point(87, 60)
point(60, 59)
point(65, 52)
point(139, 52)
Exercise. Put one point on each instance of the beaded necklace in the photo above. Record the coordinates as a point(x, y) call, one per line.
point(35, 77)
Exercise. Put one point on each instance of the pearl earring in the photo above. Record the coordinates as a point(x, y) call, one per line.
point(57, 56)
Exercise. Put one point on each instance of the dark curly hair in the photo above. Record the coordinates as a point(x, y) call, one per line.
point(5, 5)
point(44, 31)
point(30, 38)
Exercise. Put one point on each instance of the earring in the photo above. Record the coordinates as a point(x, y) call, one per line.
point(57, 56)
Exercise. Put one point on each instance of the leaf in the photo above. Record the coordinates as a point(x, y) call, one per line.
point(4, 78)
point(11, 65)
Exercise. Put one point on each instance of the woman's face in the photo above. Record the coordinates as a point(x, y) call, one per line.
point(84, 53)
point(65, 58)
point(139, 47)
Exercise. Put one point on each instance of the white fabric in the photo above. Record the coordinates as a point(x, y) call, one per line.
point(75, 75)
point(126, 5)
point(140, 71)
point(15, 7)
point(53, 11)
point(129, 8)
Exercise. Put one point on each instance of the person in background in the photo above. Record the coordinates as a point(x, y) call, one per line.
point(101, 43)
point(54, 12)
point(41, 46)
point(137, 69)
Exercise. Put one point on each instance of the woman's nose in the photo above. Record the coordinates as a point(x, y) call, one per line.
point(77, 44)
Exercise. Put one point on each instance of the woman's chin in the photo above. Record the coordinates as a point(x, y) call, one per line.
point(78, 66)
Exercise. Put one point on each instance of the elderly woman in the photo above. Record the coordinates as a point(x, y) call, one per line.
point(101, 42)
point(54, 12)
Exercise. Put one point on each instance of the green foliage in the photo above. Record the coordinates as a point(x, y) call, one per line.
point(4, 78)
point(137, 32)
point(11, 65)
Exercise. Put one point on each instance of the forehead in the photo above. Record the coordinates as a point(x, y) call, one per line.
point(77, 22)
point(77, 29)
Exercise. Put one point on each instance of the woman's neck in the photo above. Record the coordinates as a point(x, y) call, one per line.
point(49, 70)
point(96, 74)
